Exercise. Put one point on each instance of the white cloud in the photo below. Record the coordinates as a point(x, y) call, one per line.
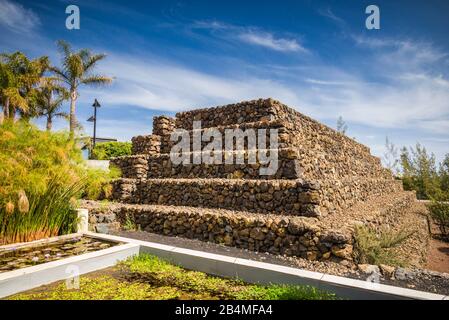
point(329, 14)
point(17, 18)
point(404, 100)
point(161, 85)
point(402, 53)
point(269, 41)
point(250, 35)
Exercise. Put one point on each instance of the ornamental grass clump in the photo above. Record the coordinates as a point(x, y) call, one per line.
point(377, 246)
point(40, 175)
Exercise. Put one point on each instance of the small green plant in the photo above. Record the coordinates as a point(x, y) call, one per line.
point(108, 150)
point(375, 247)
point(129, 224)
point(439, 211)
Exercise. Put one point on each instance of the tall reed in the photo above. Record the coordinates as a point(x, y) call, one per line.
point(39, 179)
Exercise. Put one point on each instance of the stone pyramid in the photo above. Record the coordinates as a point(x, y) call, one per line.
point(303, 209)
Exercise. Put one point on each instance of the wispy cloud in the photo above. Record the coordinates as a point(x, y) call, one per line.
point(161, 85)
point(328, 13)
point(251, 35)
point(16, 18)
point(403, 53)
point(407, 99)
point(267, 40)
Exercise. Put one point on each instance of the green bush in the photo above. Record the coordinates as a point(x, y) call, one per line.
point(97, 183)
point(374, 247)
point(39, 179)
point(439, 211)
point(419, 172)
point(108, 150)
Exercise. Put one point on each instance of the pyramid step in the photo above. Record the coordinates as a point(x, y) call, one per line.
point(247, 111)
point(288, 235)
point(285, 197)
point(264, 164)
point(245, 129)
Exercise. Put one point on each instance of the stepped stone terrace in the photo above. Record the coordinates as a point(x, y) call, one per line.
point(308, 207)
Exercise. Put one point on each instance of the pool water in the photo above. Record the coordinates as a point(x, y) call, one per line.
point(26, 256)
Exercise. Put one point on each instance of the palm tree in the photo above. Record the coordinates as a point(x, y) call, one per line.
point(77, 70)
point(48, 100)
point(18, 79)
point(9, 88)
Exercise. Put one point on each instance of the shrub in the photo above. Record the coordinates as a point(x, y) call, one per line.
point(39, 179)
point(377, 247)
point(108, 150)
point(97, 183)
point(439, 211)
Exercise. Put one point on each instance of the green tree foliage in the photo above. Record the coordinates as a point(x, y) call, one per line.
point(48, 99)
point(391, 156)
point(108, 150)
point(444, 175)
point(419, 172)
point(77, 69)
point(342, 127)
point(439, 211)
point(19, 77)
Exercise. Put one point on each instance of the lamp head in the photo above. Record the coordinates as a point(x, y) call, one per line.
point(96, 104)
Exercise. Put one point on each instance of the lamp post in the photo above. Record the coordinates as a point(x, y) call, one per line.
point(94, 120)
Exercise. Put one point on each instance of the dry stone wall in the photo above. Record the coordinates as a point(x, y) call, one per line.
point(284, 197)
point(242, 112)
point(150, 144)
point(287, 235)
point(160, 166)
point(305, 237)
point(163, 125)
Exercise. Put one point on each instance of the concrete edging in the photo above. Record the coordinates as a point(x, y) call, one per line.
point(265, 273)
point(32, 277)
point(225, 266)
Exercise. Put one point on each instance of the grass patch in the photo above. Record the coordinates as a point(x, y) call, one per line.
point(160, 272)
point(375, 247)
point(104, 288)
point(148, 277)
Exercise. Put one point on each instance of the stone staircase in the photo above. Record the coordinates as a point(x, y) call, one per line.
point(321, 174)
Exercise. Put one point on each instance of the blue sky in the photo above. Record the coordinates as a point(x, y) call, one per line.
point(315, 56)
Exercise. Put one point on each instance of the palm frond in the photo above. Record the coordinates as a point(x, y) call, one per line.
point(64, 115)
point(64, 47)
point(60, 75)
point(90, 63)
point(96, 80)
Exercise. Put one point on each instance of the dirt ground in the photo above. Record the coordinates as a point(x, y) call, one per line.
point(438, 255)
point(438, 252)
